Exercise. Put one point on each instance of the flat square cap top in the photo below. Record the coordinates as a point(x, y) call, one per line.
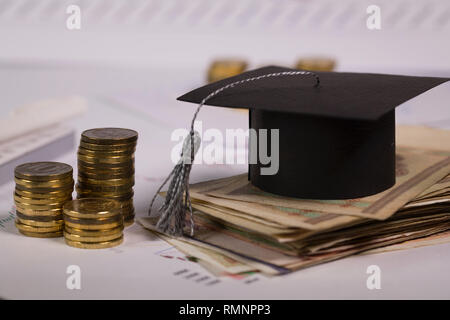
point(360, 96)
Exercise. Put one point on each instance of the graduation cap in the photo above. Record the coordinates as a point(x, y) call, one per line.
point(336, 130)
point(336, 140)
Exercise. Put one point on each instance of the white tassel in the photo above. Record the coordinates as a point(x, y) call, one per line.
point(173, 211)
point(177, 200)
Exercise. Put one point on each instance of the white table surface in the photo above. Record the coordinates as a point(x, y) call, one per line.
point(144, 100)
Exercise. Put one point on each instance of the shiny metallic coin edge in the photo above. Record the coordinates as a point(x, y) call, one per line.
point(56, 234)
point(34, 229)
point(93, 233)
point(92, 239)
point(100, 245)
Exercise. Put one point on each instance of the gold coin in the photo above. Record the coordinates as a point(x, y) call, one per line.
point(55, 234)
point(84, 187)
point(127, 203)
point(106, 163)
point(122, 166)
point(99, 245)
point(105, 175)
point(26, 200)
point(119, 160)
point(93, 185)
point(316, 64)
point(128, 222)
point(111, 169)
point(126, 211)
point(97, 239)
point(128, 215)
point(106, 153)
point(43, 171)
point(43, 218)
point(96, 155)
point(107, 182)
point(34, 223)
point(44, 195)
point(42, 207)
point(92, 208)
point(40, 213)
point(113, 191)
point(66, 182)
point(126, 147)
point(222, 69)
point(119, 197)
point(95, 226)
point(109, 136)
point(117, 218)
point(93, 233)
point(24, 227)
point(64, 189)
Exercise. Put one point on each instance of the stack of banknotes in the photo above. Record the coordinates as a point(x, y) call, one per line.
point(240, 228)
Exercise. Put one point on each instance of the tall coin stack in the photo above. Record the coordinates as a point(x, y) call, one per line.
point(93, 223)
point(41, 190)
point(106, 167)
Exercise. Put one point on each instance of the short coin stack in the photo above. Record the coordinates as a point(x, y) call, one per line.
point(41, 190)
point(93, 223)
point(106, 167)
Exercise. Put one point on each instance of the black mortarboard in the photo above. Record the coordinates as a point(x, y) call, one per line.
point(336, 140)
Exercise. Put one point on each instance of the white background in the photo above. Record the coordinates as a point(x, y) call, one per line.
point(131, 59)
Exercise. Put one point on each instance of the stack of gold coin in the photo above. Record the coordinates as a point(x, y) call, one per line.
point(93, 223)
point(221, 69)
point(106, 167)
point(41, 190)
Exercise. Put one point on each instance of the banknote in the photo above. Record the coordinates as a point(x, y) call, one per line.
point(227, 215)
point(282, 215)
point(422, 137)
point(219, 264)
point(271, 261)
point(266, 255)
point(442, 187)
point(339, 253)
point(240, 229)
point(416, 170)
point(362, 233)
point(203, 233)
point(434, 239)
point(222, 216)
